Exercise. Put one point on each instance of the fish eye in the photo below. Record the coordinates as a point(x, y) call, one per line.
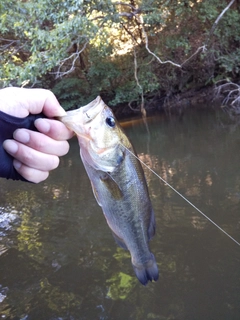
point(110, 121)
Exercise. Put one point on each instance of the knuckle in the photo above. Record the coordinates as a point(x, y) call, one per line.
point(38, 141)
point(40, 144)
point(27, 157)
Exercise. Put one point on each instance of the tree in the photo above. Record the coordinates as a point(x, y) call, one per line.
point(131, 51)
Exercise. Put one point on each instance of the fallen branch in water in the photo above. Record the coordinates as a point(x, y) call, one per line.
point(231, 93)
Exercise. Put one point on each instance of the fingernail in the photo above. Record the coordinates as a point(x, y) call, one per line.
point(21, 136)
point(42, 125)
point(17, 164)
point(10, 146)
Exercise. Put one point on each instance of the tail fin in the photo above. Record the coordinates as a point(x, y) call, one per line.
point(147, 272)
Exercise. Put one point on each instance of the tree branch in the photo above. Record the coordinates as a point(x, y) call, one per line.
point(152, 53)
point(143, 111)
point(125, 4)
point(74, 56)
point(218, 19)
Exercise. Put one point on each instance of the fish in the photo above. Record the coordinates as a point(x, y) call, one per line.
point(117, 181)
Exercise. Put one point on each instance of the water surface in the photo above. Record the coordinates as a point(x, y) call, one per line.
point(58, 260)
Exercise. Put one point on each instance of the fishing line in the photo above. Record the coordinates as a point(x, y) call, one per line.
point(188, 201)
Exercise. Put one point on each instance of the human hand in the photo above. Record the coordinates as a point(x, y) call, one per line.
point(35, 153)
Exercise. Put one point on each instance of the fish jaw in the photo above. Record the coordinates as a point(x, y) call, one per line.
point(74, 121)
point(91, 110)
point(79, 120)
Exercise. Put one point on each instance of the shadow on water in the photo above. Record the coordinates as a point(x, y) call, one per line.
point(58, 259)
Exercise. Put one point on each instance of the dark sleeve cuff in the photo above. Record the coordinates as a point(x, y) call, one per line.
point(8, 124)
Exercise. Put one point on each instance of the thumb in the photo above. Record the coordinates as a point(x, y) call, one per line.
point(42, 100)
point(19, 102)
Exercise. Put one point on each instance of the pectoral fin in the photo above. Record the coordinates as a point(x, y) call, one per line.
point(111, 186)
point(106, 182)
point(119, 241)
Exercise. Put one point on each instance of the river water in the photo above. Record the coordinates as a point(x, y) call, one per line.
point(58, 260)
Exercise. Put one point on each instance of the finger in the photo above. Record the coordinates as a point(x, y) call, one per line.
point(41, 142)
point(30, 157)
point(30, 174)
point(20, 102)
point(53, 128)
point(49, 104)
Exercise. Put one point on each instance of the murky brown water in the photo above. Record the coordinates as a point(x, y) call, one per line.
point(58, 260)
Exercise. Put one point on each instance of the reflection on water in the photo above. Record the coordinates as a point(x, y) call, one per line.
point(58, 259)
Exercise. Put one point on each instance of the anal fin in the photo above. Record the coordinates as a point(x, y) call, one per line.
point(151, 227)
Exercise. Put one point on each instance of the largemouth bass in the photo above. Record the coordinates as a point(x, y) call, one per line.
point(117, 181)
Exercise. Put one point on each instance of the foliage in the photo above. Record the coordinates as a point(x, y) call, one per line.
point(81, 49)
point(71, 92)
point(229, 52)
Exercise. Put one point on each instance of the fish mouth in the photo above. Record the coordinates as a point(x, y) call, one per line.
point(76, 119)
point(91, 110)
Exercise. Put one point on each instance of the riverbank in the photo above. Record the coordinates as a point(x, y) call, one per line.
point(178, 103)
